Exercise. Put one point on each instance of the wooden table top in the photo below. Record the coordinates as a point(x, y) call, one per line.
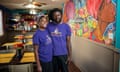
point(6, 57)
point(11, 43)
point(29, 36)
point(28, 57)
point(10, 58)
point(29, 43)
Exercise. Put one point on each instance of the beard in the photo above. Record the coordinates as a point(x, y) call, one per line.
point(57, 20)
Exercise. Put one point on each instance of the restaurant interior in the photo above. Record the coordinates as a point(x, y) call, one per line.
point(18, 23)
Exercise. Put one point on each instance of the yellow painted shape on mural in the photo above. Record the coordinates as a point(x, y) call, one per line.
point(86, 35)
point(79, 32)
point(104, 37)
point(90, 23)
point(99, 36)
point(85, 25)
point(85, 8)
point(72, 25)
point(94, 24)
point(86, 13)
point(76, 12)
point(84, 16)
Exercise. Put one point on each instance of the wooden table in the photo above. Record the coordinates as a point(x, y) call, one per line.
point(29, 43)
point(13, 59)
point(19, 36)
point(11, 44)
point(28, 36)
point(22, 36)
point(28, 57)
point(6, 57)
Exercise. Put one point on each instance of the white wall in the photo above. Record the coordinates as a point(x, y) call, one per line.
point(1, 23)
point(90, 56)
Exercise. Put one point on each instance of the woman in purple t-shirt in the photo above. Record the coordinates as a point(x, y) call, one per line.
point(43, 47)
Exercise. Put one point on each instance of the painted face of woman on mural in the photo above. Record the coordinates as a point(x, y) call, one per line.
point(107, 12)
point(106, 15)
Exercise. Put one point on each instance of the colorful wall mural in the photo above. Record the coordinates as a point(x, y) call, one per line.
point(92, 19)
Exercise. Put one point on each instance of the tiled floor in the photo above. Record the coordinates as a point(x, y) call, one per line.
point(73, 68)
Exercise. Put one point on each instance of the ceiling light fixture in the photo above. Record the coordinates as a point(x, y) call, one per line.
point(33, 4)
point(32, 11)
point(30, 6)
point(55, 0)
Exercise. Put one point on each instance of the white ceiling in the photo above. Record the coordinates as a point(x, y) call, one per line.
point(19, 4)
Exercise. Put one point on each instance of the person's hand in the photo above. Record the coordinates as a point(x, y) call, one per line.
point(69, 59)
point(39, 69)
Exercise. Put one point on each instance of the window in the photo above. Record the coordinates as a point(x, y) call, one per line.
point(1, 23)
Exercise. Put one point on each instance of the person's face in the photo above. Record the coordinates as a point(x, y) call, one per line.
point(57, 17)
point(43, 22)
point(107, 14)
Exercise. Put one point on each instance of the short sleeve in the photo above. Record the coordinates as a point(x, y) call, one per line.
point(35, 39)
point(68, 30)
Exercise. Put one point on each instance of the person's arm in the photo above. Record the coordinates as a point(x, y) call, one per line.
point(68, 42)
point(37, 58)
point(69, 48)
point(36, 44)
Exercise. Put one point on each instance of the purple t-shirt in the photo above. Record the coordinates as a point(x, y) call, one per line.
point(44, 41)
point(59, 33)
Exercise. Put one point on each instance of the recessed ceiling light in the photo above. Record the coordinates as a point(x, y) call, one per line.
point(55, 0)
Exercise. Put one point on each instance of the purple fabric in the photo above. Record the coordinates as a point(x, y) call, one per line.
point(44, 41)
point(59, 33)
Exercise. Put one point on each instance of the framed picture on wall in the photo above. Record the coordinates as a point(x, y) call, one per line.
point(1, 23)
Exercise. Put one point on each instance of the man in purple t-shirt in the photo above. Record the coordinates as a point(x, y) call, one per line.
point(61, 38)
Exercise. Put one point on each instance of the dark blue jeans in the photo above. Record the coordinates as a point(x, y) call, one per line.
point(60, 63)
point(47, 67)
